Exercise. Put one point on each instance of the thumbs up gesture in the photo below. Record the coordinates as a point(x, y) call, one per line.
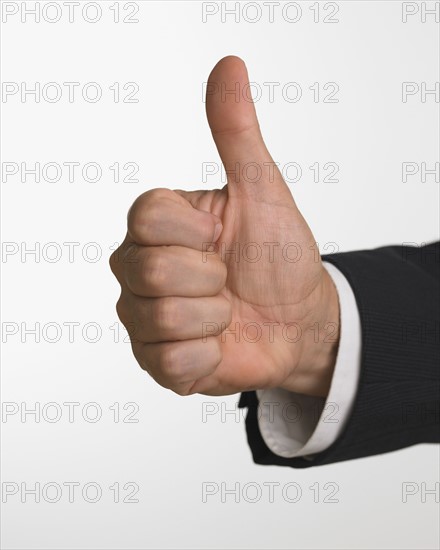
point(224, 291)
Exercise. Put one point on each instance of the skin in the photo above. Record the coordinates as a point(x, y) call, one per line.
point(182, 294)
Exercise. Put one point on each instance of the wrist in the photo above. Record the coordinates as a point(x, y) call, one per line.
point(314, 368)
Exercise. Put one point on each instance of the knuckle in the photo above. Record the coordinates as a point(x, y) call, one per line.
point(145, 366)
point(145, 213)
point(128, 255)
point(121, 310)
point(111, 262)
point(155, 271)
point(114, 261)
point(165, 315)
point(143, 358)
point(169, 363)
point(158, 193)
point(183, 390)
point(134, 219)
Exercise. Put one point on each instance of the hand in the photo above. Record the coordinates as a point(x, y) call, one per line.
point(254, 310)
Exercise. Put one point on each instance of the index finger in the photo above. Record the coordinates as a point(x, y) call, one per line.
point(162, 217)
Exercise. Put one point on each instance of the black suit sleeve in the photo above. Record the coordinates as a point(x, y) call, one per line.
point(397, 402)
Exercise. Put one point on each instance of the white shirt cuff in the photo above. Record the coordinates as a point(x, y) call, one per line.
point(294, 425)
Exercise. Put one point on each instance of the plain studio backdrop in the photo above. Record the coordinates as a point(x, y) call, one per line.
point(109, 459)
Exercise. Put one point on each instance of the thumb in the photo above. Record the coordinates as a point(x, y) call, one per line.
point(236, 132)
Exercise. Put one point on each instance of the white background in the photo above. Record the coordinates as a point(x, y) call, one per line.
point(170, 452)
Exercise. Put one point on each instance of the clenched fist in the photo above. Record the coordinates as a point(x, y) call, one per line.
point(224, 291)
